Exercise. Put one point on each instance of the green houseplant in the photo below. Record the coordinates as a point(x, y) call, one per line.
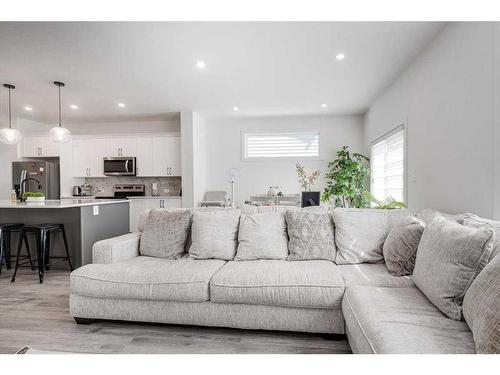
point(346, 179)
point(30, 196)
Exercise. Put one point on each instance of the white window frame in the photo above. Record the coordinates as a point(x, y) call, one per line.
point(244, 135)
point(390, 133)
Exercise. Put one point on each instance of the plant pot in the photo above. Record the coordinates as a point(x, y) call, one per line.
point(35, 199)
point(310, 198)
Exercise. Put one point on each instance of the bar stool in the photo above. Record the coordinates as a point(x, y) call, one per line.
point(6, 231)
point(42, 234)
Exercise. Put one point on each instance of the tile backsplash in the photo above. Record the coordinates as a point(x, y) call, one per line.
point(103, 186)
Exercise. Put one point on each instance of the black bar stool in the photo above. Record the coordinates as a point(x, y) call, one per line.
point(6, 231)
point(42, 234)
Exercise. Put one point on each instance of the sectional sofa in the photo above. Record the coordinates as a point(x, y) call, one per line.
point(352, 294)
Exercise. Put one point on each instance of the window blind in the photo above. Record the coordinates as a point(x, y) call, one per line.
point(281, 145)
point(387, 167)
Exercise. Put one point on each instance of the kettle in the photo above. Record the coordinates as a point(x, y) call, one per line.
point(77, 191)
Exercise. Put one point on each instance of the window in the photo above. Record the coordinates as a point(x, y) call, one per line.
point(280, 145)
point(388, 166)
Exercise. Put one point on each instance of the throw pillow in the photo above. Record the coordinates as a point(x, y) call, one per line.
point(214, 234)
point(311, 235)
point(482, 308)
point(360, 233)
point(165, 233)
point(449, 257)
point(479, 222)
point(429, 214)
point(400, 247)
point(262, 236)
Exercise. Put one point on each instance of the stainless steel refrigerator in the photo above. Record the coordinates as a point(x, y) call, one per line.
point(36, 176)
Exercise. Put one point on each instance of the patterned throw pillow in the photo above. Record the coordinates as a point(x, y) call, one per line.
point(449, 257)
point(311, 235)
point(214, 234)
point(400, 247)
point(482, 308)
point(262, 236)
point(165, 233)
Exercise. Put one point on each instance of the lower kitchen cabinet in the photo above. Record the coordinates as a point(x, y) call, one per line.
point(138, 205)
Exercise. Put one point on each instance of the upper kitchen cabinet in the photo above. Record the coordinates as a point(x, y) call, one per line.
point(144, 157)
point(167, 156)
point(88, 157)
point(39, 146)
point(121, 147)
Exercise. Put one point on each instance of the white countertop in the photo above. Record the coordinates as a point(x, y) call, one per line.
point(64, 203)
point(157, 197)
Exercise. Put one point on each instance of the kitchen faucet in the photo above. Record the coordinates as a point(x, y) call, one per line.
point(22, 185)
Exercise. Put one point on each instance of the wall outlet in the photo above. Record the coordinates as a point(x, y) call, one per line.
point(95, 210)
point(166, 190)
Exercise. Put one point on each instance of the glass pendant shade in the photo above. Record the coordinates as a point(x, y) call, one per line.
point(59, 134)
point(10, 136)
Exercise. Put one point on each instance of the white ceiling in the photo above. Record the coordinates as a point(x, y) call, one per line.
point(263, 68)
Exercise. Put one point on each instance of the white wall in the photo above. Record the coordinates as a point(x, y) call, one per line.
point(445, 98)
point(224, 151)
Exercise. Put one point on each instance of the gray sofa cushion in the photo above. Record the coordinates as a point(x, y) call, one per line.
point(214, 234)
point(482, 308)
point(479, 222)
point(449, 257)
point(311, 235)
point(308, 284)
point(147, 278)
point(165, 234)
point(262, 236)
point(429, 214)
point(400, 247)
point(400, 320)
point(369, 274)
point(360, 233)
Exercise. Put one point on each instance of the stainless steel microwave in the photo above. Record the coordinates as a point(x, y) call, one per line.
point(120, 166)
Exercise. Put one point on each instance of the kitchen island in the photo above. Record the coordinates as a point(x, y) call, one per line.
point(86, 221)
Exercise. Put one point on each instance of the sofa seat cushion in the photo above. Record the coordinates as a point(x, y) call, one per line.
point(147, 278)
point(401, 320)
point(305, 284)
point(366, 274)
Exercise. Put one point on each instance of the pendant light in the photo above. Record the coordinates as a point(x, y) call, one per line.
point(60, 134)
point(8, 135)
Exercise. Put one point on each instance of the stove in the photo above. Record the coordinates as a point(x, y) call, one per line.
point(122, 191)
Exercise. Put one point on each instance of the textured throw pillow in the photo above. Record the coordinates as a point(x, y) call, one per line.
point(360, 233)
point(482, 308)
point(262, 236)
point(214, 234)
point(479, 222)
point(311, 235)
point(449, 257)
point(400, 247)
point(165, 233)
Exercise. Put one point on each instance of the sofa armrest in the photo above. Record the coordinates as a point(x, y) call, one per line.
point(116, 249)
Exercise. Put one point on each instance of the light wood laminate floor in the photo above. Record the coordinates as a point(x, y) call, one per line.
point(37, 315)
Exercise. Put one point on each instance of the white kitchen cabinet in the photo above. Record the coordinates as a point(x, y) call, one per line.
point(166, 156)
point(39, 146)
point(88, 157)
point(121, 147)
point(138, 205)
point(144, 157)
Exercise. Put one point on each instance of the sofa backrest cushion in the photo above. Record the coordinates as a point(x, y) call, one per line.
point(165, 234)
point(311, 235)
point(262, 236)
point(449, 257)
point(360, 233)
point(400, 247)
point(429, 214)
point(479, 222)
point(482, 308)
point(214, 234)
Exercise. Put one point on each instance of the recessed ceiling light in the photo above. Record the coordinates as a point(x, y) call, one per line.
point(73, 106)
point(28, 108)
point(201, 65)
point(340, 56)
point(236, 109)
point(121, 105)
point(323, 105)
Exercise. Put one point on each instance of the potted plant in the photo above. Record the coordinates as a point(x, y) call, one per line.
point(30, 196)
point(346, 180)
point(309, 198)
